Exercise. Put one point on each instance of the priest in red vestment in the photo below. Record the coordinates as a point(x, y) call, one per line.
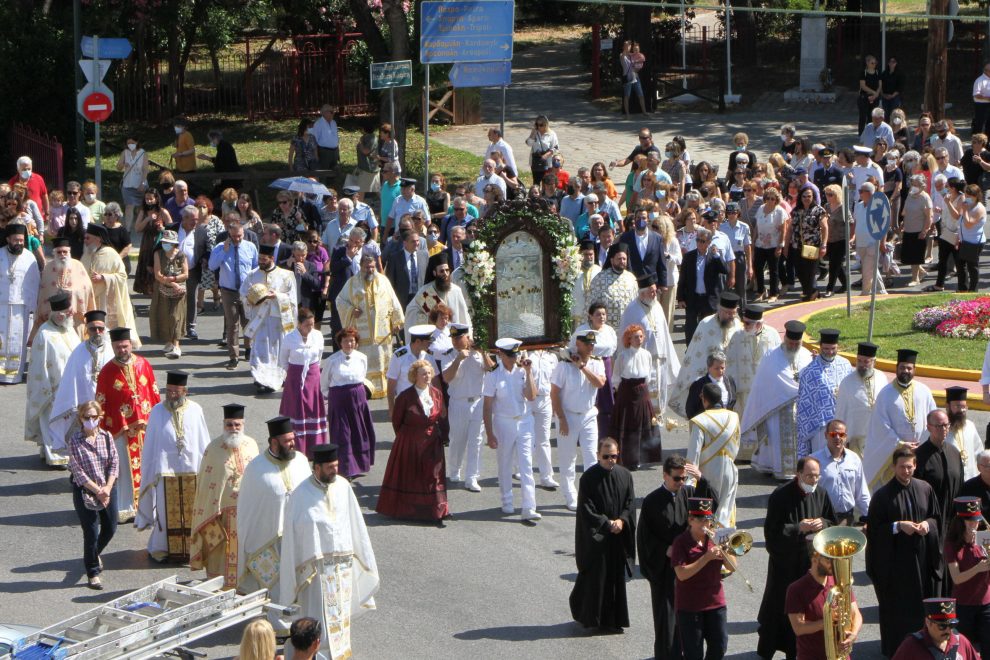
point(127, 391)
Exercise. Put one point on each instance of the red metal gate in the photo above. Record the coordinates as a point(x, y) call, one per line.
point(45, 152)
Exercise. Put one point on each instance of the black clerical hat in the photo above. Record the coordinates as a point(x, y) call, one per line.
point(324, 454)
point(587, 245)
point(867, 349)
point(616, 248)
point(179, 378)
point(279, 426)
point(120, 334)
point(95, 315)
point(60, 302)
point(753, 312)
point(267, 250)
point(646, 280)
point(907, 355)
point(955, 393)
point(233, 411)
point(61, 242)
point(794, 330)
point(829, 336)
point(728, 300)
point(99, 231)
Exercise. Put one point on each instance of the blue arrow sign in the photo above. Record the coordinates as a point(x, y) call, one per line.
point(481, 74)
point(479, 31)
point(110, 49)
point(878, 216)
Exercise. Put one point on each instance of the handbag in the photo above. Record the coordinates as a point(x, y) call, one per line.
point(809, 252)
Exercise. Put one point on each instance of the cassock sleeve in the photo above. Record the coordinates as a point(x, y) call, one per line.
point(880, 546)
point(781, 534)
point(628, 517)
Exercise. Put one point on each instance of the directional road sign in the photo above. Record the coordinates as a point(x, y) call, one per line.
point(479, 31)
point(385, 75)
point(87, 68)
point(481, 74)
point(95, 102)
point(878, 216)
point(110, 49)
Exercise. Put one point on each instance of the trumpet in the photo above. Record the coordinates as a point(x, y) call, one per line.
point(735, 545)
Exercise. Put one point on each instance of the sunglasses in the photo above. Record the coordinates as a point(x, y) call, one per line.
point(96, 328)
point(91, 417)
point(679, 479)
point(613, 457)
point(836, 434)
point(943, 626)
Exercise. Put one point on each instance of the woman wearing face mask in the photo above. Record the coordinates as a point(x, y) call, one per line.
point(805, 241)
point(787, 141)
point(93, 466)
point(133, 162)
point(674, 168)
point(184, 155)
point(151, 221)
point(952, 207)
point(916, 225)
point(90, 199)
point(437, 197)
point(893, 180)
point(543, 145)
point(971, 239)
point(768, 244)
point(167, 318)
point(740, 143)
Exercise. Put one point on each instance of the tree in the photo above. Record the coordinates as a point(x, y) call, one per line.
point(935, 68)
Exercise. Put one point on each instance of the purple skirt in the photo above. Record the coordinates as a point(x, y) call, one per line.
point(303, 404)
point(605, 400)
point(352, 429)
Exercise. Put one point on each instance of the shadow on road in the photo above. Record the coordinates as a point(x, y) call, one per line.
point(526, 633)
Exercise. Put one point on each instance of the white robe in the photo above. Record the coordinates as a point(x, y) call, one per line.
point(268, 322)
point(162, 456)
point(418, 310)
point(49, 354)
point(889, 426)
point(743, 356)
point(582, 294)
point(713, 447)
point(660, 346)
point(772, 414)
point(328, 565)
point(265, 488)
point(967, 440)
point(78, 385)
point(708, 337)
point(854, 405)
point(18, 300)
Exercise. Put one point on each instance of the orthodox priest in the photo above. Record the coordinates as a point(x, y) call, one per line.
point(437, 289)
point(127, 391)
point(713, 445)
point(328, 565)
point(582, 287)
point(213, 545)
point(647, 313)
point(109, 277)
point(904, 553)
point(369, 304)
point(796, 512)
point(62, 273)
point(713, 333)
point(50, 352)
point(857, 395)
point(605, 542)
point(745, 352)
point(772, 415)
point(962, 432)
point(661, 520)
point(817, 389)
point(940, 465)
point(18, 299)
point(898, 418)
point(269, 295)
point(615, 287)
point(173, 448)
point(78, 382)
point(265, 487)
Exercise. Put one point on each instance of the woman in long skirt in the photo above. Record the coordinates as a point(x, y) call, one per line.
point(351, 427)
point(632, 416)
point(414, 486)
point(606, 343)
point(167, 317)
point(302, 399)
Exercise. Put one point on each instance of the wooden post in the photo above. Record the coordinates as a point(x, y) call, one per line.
point(936, 67)
point(596, 60)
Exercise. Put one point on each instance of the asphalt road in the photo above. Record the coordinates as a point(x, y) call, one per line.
point(487, 586)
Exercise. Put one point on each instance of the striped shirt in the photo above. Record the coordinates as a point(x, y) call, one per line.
point(92, 459)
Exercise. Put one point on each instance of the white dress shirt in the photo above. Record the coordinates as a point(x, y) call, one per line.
point(506, 388)
point(844, 481)
point(577, 394)
point(631, 363)
point(325, 133)
point(425, 399)
point(297, 350)
point(341, 369)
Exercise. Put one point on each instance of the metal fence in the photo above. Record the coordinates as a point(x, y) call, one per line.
point(44, 150)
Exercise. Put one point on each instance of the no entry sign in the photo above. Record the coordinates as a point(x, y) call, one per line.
point(97, 106)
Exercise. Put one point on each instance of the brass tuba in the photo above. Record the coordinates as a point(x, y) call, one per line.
point(840, 544)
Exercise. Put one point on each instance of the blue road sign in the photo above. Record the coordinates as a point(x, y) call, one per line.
point(479, 31)
point(110, 49)
point(878, 216)
point(481, 74)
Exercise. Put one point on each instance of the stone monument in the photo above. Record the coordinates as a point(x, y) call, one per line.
point(814, 44)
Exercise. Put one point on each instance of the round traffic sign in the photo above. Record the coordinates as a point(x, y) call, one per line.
point(97, 107)
point(878, 216)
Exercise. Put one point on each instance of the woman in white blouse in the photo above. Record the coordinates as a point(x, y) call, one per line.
point(632, 416)
point(302, 401)
point(672, 257)
point(606, 342)
point(351, 427)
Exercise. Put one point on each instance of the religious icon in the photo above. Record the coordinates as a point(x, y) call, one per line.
point(519, 287)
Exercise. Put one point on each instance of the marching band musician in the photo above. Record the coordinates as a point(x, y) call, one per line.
point(969, 566)
point(804, 606)
point(936, 639)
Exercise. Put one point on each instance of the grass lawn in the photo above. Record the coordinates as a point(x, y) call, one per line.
point(892, 330)
point(263, 144)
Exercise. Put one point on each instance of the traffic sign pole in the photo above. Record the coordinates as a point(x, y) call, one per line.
point(877, 225)
point(847, 217)
point(426, 130)
point(98, 170)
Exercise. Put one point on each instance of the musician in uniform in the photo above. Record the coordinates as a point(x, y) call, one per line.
point(968, 564)
point(937, 639)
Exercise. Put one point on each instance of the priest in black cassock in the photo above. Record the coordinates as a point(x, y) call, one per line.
point(605, 542)
point(662, 519)
point(979, 486)
point(940, 465)
point(904, 553)
point(796, 512)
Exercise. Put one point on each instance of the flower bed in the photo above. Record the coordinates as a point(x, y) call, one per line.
point(957, 319)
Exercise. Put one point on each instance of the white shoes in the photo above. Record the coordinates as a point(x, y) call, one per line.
point(508, 509)
point(455, 478)
point(549, 484)
point(472, 485)
point(572, 507)
point(531, 514)
point(172, 351)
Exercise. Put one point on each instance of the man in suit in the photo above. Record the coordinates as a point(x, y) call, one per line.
point(645, 248)
point(272, 235)
point(309, 282)
point(344, 262)
point(455, 248)
point(192, 243)
point(701, 282)
point(406, 269)
point(716, 374)
point(605, 238)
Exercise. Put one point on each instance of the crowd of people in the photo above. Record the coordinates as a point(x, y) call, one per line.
point(675, 240)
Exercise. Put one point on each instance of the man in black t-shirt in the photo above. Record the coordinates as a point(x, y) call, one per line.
point(644, 147)
point(973, 166)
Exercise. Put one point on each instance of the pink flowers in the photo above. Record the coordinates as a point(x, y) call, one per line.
point(958, 319)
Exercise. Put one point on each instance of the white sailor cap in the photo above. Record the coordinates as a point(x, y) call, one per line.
point(421, 331)
point(458, 329)
point(508, 344)
point(860, 149)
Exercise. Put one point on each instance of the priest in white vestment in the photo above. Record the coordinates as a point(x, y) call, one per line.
point(817, 390)
point(174, 443)
point(713, 446)
point(265, 488)
point(78, 383)
point(713, 333)
point(109, 276)
point(328, 565)
point(269, 296)
point(645, 311)
point(773, 414)
point(63, 273)
point(858, 396)
point(899, 417)
point(437, 289)
point(581, 291)
point(745, 352)
point(962, 432)
point(53, 344)
point(18, 300)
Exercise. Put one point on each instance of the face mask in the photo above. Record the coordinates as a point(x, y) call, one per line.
point(178, 130)
point(90, 197)
point(640, 224)
point(431, 238)
point(652, 215)
point(741, 147)
point(132, 147)
point(434, 187)
point(783, 137)
point(751, 331)
point(970, 201)
point(891, 166)
point(668, 154)
point(808, 489)
point(556, 163)
point(169, 247)
point(90, 424)
point(26, 174)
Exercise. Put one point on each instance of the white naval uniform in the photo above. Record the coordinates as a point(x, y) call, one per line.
point(512, 420)
point(577, 399)
point(398, 367)
point(465, 414)
point(544, 362)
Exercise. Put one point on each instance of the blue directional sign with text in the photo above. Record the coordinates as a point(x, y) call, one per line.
point(479, 31)
point(878, 216)
point(481, 74)
point(110, 49)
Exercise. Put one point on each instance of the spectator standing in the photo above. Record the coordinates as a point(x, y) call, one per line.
point(630, 77)
point(37, 190)
point(327, 139)
point(950, 213)
point(366, 174)
point(946, 139)
point(248, 217)
point(971, 239)
point(168, 305)
point(388, 149)
point(391, 188)
point(836, 246)
point(303, 156)
point(981, 102)
point(877, 129)
point(917, 223)
point(543, 146)
point(234, 258)
point(180, 199)
point(133, 162)
point(891, 82)
point(225, 160)
point(869, 91)
point(184, 156)
point(806, 241)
